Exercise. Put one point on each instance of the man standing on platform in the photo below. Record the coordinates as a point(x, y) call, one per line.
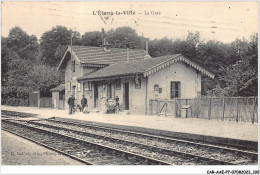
point(84, 103)
point(71, 104)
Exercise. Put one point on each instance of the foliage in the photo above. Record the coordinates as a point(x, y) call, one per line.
point(92, 39)
point(17, 85)
point(19, 41)
point(56, 38)
point(27, 65)
point(21, 69)
point(44, 77)
point(123, 35)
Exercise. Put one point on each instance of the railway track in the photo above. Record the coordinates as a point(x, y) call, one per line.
point(165, 149)
point(14, 114)
point(82, 150)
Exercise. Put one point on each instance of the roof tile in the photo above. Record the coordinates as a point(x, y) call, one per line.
point(134, 67)
point(99, 55)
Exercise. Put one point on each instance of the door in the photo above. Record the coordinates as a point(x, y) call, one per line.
point(74, 90)
point(55, 99)
point(95, 96)
point(61, 100)
point(126, 96)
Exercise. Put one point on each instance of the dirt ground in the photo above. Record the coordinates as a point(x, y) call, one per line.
point(18, 151)
point(217, 128)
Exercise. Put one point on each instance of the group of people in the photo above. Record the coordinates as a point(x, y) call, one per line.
point(84, 105)
point(111, 107)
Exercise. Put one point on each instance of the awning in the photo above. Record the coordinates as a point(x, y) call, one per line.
point(59, 88)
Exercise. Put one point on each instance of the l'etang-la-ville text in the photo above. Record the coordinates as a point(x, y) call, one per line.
point(124, 12)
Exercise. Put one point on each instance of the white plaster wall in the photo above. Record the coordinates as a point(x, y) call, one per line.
point(55, 99)
point(137, 97)
point(188, 76)
point(72, 77)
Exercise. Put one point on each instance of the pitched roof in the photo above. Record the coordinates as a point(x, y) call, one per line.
point(100, 56)
point(60, 87)
point(145, 67)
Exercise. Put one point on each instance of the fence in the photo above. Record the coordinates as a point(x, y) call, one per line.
point(45, 102)
point(14, 101)
point(239, 109)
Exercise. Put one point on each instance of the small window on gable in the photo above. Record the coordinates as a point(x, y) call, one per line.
point(175, 89)
point(73, 66)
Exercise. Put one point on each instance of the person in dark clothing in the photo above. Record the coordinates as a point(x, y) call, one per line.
point(71, 104)
point(117, 105)
point(84, 102)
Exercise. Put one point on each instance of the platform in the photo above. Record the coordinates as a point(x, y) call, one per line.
point(192, 126)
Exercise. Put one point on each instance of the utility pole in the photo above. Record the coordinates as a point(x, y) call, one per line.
point(71, 45)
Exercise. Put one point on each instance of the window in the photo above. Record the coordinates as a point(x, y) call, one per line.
point(118, 84)
point(109, 91)
point(69, 86)
point(90, 86)
point(62, 95)
point(175, 89)
point(79, 87)
point(137, 83)
point(73, 66)
point(85, 86)
point(73, 90)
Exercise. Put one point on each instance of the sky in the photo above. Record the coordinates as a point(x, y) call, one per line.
point(221, 21)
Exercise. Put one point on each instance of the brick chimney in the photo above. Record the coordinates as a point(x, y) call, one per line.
point(104, 42)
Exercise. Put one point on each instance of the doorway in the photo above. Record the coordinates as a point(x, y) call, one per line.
point(95, 96)
point(126, 96)
point(74, 90)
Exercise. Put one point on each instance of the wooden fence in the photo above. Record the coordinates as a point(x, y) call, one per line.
point(15, 101)
point(239, 109)
point(46, 102)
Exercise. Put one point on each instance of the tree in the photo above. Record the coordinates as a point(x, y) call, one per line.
point(4, 60)
point(92, 39)
point(238, 78)
point(18, 45)
point(161, 47)
point(16, 85)
point(26, 46)
point(55, 38)
point(44, 77)
point(124, 35)
point(21, 68)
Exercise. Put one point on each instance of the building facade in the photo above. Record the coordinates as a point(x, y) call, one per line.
point(86, 60)
point(58, 97)
point(133, 78)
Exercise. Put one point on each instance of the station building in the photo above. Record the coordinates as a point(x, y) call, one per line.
point(131, 75)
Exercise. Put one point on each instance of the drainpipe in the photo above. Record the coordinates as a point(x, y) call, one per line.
point(146, 96)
